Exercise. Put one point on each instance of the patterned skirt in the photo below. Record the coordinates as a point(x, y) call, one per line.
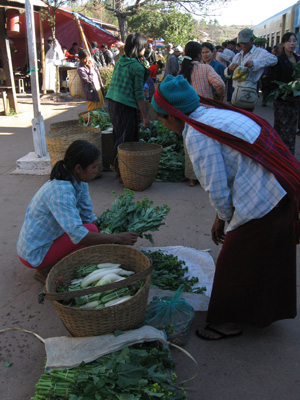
point(285, 121)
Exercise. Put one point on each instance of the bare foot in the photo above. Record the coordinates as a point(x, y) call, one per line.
point(219, 331)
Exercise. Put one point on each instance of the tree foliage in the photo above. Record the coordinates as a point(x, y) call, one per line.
point(174, 26)
point(123, 9)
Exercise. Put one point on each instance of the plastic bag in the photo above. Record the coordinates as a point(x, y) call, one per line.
point(172, 314)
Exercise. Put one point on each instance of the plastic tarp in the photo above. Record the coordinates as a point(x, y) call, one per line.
point(67, 32)
point(200, 264)
point(65, 352)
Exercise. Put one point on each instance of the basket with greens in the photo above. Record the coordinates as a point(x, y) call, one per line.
point(171, 166)
point(97, 119)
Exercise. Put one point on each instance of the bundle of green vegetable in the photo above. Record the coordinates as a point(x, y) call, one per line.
point(171, 166)
point(125, 215)
point(140, 372)
point(168, 273)
point(99, 275)
point(286, 91)
point(97, 118)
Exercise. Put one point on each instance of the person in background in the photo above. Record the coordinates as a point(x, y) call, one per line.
point(68, 57)
point(154, 68)
point(255, 276)
point(286, 110)
point(172, 63)
point(74, 50)
point(108, 55)
point(252, 57)
point(91, 81)
point(208, 52)
point(49, 43)
point(59, 219)
point(202, 77)
point(231, 45)
point(125, 96)
point(150, 54)
point(97, 55)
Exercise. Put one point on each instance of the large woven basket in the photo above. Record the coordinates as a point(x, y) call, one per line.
point(74, 83)
point(138, 164)
point(87, 322)
point(62, 134)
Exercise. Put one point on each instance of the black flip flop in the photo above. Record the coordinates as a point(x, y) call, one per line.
point(222, 335)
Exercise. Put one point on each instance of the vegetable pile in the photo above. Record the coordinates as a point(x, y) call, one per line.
point(171, 166)
point(125, 215)
point(97, 119)
point(287, 91)
point(99, 275)
point(140, 372)
point(168, 273)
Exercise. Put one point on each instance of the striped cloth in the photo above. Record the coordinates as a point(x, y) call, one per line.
point(268, 149)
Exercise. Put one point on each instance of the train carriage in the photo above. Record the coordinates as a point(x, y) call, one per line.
point(276, 26)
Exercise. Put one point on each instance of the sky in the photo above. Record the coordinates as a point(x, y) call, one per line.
point(245, 12)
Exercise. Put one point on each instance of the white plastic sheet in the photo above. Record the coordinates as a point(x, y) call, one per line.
point(200, 264)
point(68, 352)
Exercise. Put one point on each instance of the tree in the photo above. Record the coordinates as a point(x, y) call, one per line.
point(173, 25)
point(124, 9)
point(49, 13)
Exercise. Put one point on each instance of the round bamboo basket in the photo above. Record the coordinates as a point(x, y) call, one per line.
point(124, 316)
point(62, 134)
point(138, 164)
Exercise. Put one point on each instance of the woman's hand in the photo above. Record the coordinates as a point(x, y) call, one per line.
point(127, 238)
point(217, 231)
point(146, 122)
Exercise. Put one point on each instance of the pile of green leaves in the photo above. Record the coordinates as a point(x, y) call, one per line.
point(287, 91)
point(140, 372)
point(126, 215)
point(168, 273)
point(97, 118)
point(171, 166)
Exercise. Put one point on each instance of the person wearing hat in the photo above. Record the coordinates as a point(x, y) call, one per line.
point(49, 43)
point(256, 60)
point(172, 63)
point(255, 193)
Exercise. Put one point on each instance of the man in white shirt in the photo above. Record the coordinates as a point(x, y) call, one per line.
point(255, 59)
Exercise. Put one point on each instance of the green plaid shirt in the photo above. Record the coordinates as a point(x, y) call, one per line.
point(127, 83)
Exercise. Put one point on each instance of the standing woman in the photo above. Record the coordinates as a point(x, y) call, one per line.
point(286, 111)
point(203, 78)
point(125, 95)
point(59, 219)
point(208, 53)
point(91, 81)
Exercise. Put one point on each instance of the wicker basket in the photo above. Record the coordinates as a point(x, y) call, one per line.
point(124, 316)
point(74, 83)
point(63, 133)
point(138, 164)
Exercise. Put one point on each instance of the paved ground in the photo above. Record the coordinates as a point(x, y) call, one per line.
point(260, 364)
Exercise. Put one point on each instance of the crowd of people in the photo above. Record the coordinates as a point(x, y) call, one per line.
point(246, 167)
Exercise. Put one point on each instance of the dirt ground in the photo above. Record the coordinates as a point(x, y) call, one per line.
point(261, 364)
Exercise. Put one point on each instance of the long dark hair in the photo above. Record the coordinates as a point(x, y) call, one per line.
point(286, 37)
point(79, 152)
point(135, 43)
point(192, 50)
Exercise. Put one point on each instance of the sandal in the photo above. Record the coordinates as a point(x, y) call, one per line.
point(40, 277)
point(218, 334)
